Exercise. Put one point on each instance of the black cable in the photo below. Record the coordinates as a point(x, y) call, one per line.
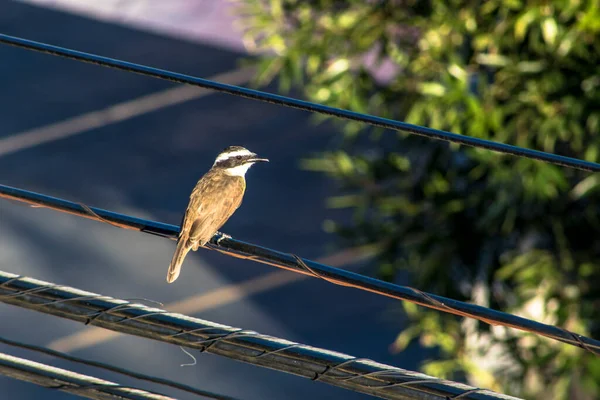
point(237, 248)
point(118, 370)
point(300, 104)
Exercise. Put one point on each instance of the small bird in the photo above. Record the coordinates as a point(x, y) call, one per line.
point(214, 199)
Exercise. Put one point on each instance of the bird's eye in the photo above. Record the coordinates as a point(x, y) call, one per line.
point(239, 157)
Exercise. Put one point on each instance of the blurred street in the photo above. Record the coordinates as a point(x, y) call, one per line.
point(146, 166)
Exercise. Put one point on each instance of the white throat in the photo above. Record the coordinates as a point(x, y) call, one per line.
point(240, 170)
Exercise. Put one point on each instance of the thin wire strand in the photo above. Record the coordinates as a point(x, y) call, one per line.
point(113, 368)
point(291, 262)
point(243, 345)
point(300, 104)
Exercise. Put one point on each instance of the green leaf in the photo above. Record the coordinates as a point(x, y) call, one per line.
point(550, 31)
point(524, 21)
point(432, 89)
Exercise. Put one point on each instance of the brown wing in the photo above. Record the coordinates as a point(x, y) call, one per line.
point(214, 199)
point(192, 210)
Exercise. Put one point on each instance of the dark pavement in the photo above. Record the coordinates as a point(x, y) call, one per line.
point(147, 166)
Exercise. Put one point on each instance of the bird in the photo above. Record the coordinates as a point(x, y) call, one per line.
point(214, 199)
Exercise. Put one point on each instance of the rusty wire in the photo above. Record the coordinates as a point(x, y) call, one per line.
point(291, 262)
point(334, 368)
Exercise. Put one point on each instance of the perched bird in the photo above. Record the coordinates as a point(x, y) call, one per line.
point(214, 199)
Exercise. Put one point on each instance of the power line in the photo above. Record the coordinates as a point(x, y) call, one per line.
point(337, 369)
point(299, 104)
point(71, 382)
point(118, 370)
point(237, 248)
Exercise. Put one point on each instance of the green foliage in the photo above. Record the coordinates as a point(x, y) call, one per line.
point(513, 234)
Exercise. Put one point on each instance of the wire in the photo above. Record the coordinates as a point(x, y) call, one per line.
point(112, 368)
point(71, 382)
point(299, 104)
point(237, 248)
point(317, 364)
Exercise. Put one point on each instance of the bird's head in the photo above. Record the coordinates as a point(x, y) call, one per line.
point(235, 160)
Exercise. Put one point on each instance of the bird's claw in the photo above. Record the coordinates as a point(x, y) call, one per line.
point(222, 236)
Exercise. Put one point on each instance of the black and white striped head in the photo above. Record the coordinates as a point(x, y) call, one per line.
point(236, 160)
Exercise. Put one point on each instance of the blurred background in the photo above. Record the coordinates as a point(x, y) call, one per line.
point(507, 233)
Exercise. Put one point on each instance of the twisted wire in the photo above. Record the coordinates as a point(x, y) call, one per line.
point(318, 364)
point(71, 382)
point(236, 248)
point(112, 368)
point(300, 104)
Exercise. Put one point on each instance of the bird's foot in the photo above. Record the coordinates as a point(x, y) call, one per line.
point(222, 236)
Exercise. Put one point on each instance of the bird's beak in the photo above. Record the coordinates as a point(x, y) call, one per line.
point(257, 159)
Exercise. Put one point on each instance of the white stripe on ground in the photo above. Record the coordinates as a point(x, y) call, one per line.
point(116, 113)
point(219, 297)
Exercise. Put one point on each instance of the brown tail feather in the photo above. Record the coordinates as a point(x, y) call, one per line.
point(175, 267)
